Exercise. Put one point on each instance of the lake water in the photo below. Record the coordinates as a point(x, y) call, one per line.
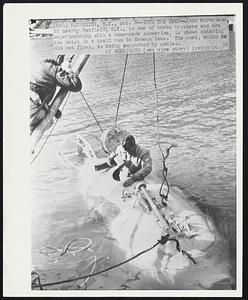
point(197, 108)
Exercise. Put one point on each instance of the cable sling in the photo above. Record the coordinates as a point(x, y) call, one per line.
point(122, 81)
point(165, 169)
point(157, 108)
point(91, 111)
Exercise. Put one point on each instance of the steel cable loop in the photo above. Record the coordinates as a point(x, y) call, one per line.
point(55, 123)
point(68, 249)
point(122, 81)
point(164, 197)
point(91, 111)
point(165, 173)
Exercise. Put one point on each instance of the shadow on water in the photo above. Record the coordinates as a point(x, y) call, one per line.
point(221, 220)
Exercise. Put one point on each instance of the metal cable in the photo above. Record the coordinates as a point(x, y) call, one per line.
point(91, 111)
point(122, 81)
point(162, 241)
point(157, 106)
point(165, 169)
point(164, 173)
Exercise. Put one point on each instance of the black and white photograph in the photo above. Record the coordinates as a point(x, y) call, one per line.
point(133, 152)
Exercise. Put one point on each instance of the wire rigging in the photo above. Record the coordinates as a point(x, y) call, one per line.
point(157, 106)
point(122, 81)
point(164, 197)
point(91, 111)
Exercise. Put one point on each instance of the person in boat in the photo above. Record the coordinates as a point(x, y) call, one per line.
point(46, 77)
point(135, 158)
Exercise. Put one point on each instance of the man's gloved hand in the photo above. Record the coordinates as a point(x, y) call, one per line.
point(66, 65)
point(128, 182)
point(58, 114)
point(111, 159)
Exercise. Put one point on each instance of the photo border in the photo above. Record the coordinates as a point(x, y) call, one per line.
point(16, 150)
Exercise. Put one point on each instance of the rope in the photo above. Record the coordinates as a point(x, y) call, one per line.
point(91, 111)
point(156, 92)
point(118, 106)
point(50, 131)
point(164, 173)
point(179, 249)
point(70, 250)
point(162, 241)
point(67, 249)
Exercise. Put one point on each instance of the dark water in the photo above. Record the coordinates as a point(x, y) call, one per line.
point(197, 109)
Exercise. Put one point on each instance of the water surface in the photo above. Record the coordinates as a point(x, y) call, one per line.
point(197, 112)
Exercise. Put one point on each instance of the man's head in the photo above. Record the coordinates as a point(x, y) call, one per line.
point(129, 144)
point(57, 62)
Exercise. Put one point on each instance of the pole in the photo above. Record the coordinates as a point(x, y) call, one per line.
point(77, 68)
point(57, 101)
